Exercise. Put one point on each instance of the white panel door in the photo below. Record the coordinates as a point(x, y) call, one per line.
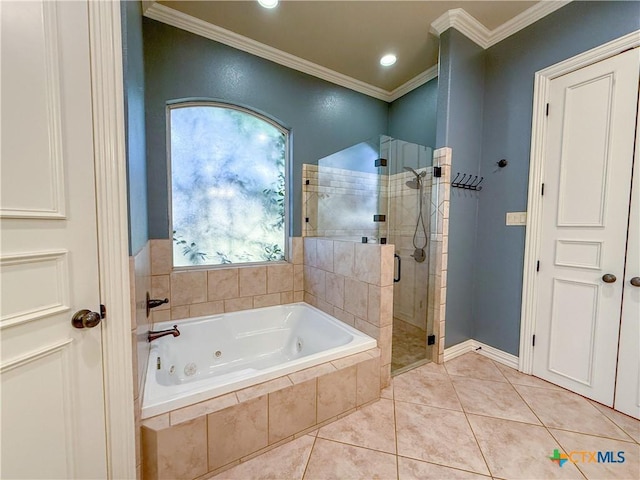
point(627, 397)
point(587, 172)
point(53, 420)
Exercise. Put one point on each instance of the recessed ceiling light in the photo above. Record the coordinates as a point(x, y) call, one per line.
point(268, 3)
point(388, 60)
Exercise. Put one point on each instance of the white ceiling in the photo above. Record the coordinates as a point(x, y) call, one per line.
point(347, 38)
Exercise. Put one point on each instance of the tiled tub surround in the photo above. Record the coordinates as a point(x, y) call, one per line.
point(209, 437)
point(198, 292)
point(354, 283)
point(223, 353)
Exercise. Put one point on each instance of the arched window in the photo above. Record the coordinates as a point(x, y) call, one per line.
point(228, 185)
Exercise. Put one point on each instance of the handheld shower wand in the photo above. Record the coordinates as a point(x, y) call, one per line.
point(418, 254)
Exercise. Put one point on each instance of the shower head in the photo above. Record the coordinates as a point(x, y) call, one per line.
point(418, 175)
point(416, 183)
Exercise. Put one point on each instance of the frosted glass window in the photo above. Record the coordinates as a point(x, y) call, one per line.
point(228, 195)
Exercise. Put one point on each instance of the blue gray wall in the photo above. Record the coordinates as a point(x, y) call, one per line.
point(412, 117)
point(485, 107)
point(508, 99)
point(133, 69)
point(459, 112)
point(323, 117)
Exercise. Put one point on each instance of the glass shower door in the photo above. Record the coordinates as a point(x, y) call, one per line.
point(409, 197)
point(343, 199)
point(380, 191)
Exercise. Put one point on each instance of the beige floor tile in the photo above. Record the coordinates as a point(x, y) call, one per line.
point(287, 461)
point(410, 469)
point(516, 450)
point(569, 411)
point(577, 442)
point(518, 378)
point(475, 366)
point(333, 460)
point(630, 425)
point(432, 368)
point(494, 399)
point(372, 427)
point(438, 436)
point(426, 389)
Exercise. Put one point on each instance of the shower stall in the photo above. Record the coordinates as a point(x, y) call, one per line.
point(382, 191)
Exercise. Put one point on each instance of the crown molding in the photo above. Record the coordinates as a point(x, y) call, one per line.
point(414, 83)
point(481, 35)
point(526, 18)
point(199, 27)
point(456, 18)
point(463, 22)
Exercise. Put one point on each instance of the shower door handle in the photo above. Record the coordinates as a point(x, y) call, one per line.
point(397, 279)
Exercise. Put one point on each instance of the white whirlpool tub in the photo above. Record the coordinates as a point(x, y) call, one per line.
point(222, 353)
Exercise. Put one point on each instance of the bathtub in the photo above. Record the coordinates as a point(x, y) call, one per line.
point(222, 353)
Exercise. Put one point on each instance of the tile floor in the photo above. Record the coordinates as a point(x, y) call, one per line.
point(468, 419)
point(408, 345)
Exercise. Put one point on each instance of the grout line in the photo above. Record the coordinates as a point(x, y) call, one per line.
point(564, 449)
point(446, 466)
point(306, 465)
point(356, 446)
point(507, 382)
point(395, 428)
point(624, 429)
point(594, 435)
point(469, 423)
point(433, 406)
point(547, 427)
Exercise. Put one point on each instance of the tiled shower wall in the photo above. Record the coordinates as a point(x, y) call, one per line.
point(354, 283)
point(410, 295)
point(438, 250)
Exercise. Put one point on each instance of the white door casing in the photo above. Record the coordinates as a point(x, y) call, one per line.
point(536, 171)
point(588, 163)
point(627, 396)
point(53, 411)
point(531, 284)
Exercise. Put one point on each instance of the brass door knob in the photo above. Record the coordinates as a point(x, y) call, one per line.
point(609, 278)
point(85, 319)
point(635, 281)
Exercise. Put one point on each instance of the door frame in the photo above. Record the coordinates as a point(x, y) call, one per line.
point(536, 172)
point(107, 96)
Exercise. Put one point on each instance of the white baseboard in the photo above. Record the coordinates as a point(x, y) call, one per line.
point(486, 350)
point(458, 349)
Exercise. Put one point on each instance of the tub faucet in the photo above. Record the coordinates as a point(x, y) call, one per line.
point(161, 333)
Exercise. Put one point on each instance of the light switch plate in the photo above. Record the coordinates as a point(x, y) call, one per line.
point(517, 218)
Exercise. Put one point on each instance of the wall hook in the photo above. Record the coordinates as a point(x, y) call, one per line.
point(468, 182)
